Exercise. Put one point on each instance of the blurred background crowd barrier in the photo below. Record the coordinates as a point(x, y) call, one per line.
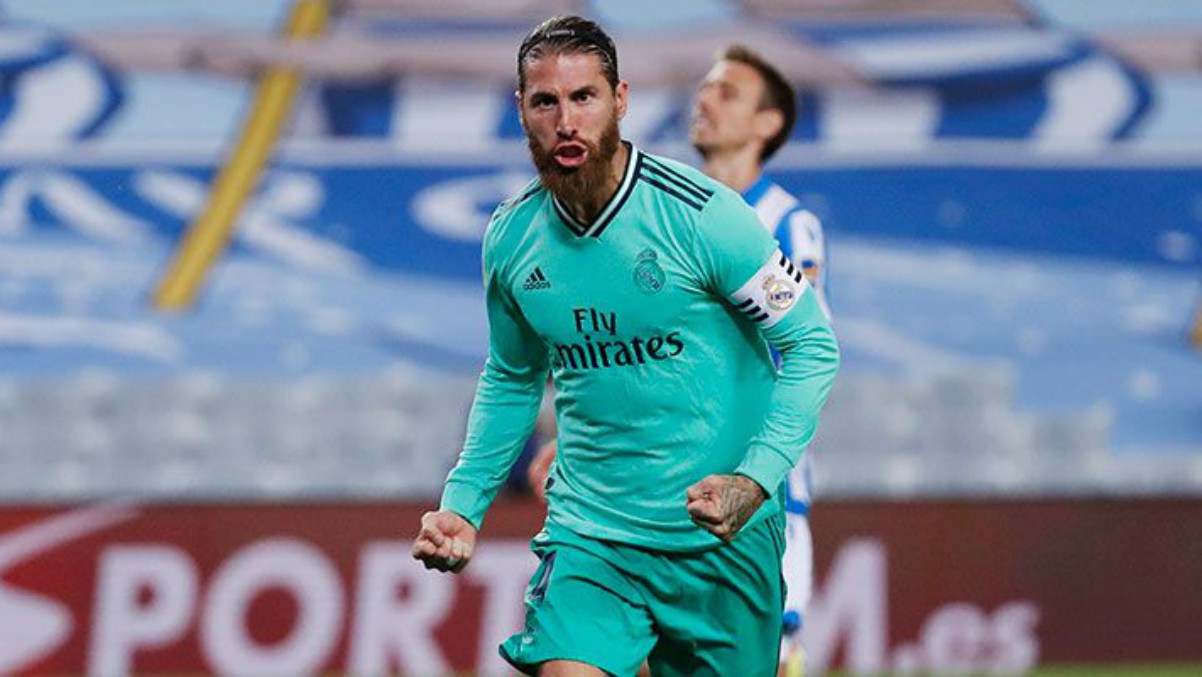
point(1012, 193)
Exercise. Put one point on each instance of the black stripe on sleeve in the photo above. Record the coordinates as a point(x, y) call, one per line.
point(670, 191)
point(526, 196)
point(744, 304)
point(680, 185)
point(702, 193)
point(702, 196)
point(760, 318)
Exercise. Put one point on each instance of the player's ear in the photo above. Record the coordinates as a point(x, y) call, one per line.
point(768, 123)
point(621, 97)
point(517, 101)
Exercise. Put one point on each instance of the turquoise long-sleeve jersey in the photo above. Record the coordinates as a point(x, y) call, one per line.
point(655, 322)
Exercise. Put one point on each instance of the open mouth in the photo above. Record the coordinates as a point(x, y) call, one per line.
point(571, 155)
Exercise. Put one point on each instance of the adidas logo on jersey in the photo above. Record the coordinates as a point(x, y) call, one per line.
point(536, 280)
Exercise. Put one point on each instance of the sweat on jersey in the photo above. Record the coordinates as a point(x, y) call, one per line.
point(655, 321)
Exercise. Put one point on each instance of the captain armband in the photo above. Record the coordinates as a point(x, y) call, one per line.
point(772, 291)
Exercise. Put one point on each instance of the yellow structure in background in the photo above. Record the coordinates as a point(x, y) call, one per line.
point(208, 236)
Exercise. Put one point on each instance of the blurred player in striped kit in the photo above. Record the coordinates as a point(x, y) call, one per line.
point(743, 113)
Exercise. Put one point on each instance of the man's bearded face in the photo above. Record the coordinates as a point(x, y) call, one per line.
point(576, 182)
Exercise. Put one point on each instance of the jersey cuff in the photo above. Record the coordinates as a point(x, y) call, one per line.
point(465, 501)
point(766, 467)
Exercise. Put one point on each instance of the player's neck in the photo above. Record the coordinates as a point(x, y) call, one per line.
point(587, 207)
point(737, 170)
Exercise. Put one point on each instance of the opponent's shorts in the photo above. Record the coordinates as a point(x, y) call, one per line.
point(797, 568)
point(611, 605)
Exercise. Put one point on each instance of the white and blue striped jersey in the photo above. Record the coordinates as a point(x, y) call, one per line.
point(800, 235)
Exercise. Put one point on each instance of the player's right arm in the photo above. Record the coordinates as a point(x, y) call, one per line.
point(503, 413)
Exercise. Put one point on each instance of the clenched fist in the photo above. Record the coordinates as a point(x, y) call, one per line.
point(446, 541)
point(722, 504)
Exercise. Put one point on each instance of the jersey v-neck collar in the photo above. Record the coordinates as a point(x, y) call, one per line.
point(612, 207)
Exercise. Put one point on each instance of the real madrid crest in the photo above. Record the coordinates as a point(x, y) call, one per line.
point(648, 275)
point(778, 292)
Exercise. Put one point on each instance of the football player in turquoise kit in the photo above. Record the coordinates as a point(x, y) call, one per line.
point(653, 296)
point(743, 113)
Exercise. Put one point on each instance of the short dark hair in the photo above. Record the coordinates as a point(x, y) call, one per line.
point(568, 35)
point(778, 93)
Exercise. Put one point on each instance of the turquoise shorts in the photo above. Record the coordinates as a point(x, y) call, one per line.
point(611, 605)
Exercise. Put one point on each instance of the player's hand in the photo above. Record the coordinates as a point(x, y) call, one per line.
point(540, 468)
point(446, 541)
point(722, 504)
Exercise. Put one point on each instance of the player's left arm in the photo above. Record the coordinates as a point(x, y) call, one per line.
point(793, 321)
point(745, 265)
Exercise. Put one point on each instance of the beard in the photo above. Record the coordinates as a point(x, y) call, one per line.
point(578, 185)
